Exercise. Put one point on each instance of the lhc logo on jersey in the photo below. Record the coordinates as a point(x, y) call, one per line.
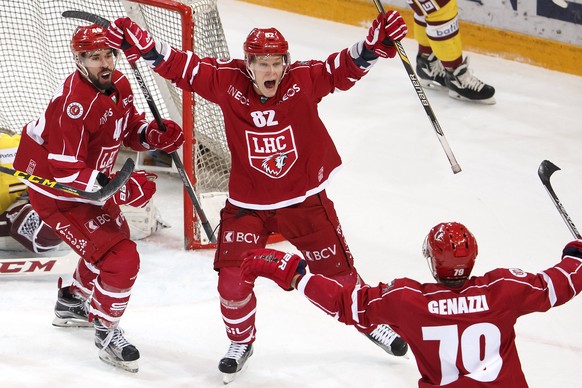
point(107, 158)
point(74, 110)
point(272, 153)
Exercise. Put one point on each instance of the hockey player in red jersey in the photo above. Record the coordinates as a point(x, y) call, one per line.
point(76, 141)
point(282, 156)
point(461, 328)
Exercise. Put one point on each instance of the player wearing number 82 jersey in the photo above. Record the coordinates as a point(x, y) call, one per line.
point(282, 155)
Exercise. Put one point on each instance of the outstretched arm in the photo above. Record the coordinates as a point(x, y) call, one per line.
point(288, 270)
point(385, 29)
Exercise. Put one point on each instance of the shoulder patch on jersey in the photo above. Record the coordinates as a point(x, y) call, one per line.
point(74, 110)
point(518, 273)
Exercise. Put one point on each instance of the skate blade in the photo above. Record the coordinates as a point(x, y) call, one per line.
point(428, 84)
point(129, 366)
point(457, 96)
point(71, 322)
point(229, 377)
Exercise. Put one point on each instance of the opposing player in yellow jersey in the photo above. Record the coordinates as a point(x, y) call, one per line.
point(440, 63)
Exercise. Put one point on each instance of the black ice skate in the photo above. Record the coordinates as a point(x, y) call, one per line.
point(234, 361)
point(114, 348)
point(71, 310)
point(430, 71)
point(388, 340)
point(463, 85)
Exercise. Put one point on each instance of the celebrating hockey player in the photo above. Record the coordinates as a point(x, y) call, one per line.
point(76, 141)
point(461, 328)
point(440, 62)
point(282, 156)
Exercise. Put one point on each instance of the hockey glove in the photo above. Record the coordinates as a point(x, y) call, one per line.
point(169, 140)
point(138, 190)
point(135, 42)
point(573, 249)
point(387, 28)
point(278, 266)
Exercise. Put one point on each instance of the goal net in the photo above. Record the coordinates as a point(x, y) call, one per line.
point(34, 47)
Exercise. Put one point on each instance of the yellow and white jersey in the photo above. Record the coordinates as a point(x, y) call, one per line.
point(10, 187)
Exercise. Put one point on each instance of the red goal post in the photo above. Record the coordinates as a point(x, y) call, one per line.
point(192, 234)
point(200, 30)
point(193, 25)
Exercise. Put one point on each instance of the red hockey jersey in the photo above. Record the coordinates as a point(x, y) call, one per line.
point(80, 134)
point(280, 149)
point(460, 337)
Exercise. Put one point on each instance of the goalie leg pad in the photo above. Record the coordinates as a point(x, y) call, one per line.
point(143, 221)
point(29, 230)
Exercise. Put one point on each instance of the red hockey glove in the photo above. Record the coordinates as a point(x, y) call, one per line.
point(138, 190)
point(168, 141)
point(135, 42)
point(278, 266)
point(574, 249)
point(387, 28)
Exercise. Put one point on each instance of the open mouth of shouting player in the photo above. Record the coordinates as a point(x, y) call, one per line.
point(268, 71)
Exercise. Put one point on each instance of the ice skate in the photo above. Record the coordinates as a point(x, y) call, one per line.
point(71, 310)
point(388, 340)
point(114, 349)
point(430, 71)
point(234, 361)
point(463, 85)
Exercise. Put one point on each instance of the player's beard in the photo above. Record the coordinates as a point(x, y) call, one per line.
point(100, 82)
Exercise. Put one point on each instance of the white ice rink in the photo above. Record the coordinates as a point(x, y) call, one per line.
point(395, 185)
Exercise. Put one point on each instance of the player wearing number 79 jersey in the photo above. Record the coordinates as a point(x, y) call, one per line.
point(460, 329)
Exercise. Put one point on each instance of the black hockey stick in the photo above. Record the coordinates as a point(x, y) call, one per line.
point(100, 195)
point(87, 16)
point(424, 100)
point(545, 171)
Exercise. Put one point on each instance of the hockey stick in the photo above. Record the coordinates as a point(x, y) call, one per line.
point(28, 264)
point(424, 100)
point(100, 195)
point(545, 171)
point(87, 16)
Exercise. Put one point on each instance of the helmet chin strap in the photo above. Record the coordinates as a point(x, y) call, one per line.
point(80, 65)
point(251, 74)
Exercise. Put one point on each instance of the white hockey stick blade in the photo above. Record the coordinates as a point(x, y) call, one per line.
point(13, 264)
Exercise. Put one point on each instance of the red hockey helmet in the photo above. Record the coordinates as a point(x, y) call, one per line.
point(450, 250)
point(265, 41)
point(89, 38)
